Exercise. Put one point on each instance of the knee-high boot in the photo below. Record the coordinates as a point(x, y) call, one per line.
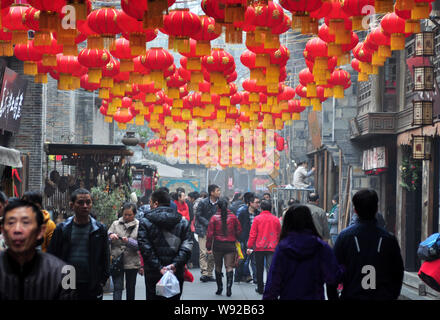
point(218, 278)
point(229, 280)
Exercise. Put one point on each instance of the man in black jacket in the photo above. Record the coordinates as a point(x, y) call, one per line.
point(83, 242)
point(370, 255)
point(205, 210)
point(165, 243)
point(27, 273)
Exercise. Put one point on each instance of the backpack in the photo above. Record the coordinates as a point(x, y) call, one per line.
point(429, 273)
point(429, 250)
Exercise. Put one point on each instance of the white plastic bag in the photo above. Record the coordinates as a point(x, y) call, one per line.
point(168, 286)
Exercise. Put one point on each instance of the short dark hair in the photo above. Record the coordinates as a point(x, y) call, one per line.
point(313, 197)
point(292, 201)
point(336, 198)
point(267, 194)
point(266, 205)
point(365, 203)
point(144, 199)
point(78, 191)
point(162, 197)
point(211, 188)
point(180, 189)
point(3, 197)
point(194, 195)
point(164, 189)
point(34, 197)
point(203, 194)
point(129, 205)
point(249, 197)
point(23, 203)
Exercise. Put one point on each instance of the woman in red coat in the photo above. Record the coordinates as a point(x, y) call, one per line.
point(182, 207)
point(223, 231)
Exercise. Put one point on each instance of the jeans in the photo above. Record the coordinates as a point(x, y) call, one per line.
point(130, 280)
point(261, 257)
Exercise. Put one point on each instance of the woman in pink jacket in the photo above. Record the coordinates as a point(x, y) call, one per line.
point(263, 239)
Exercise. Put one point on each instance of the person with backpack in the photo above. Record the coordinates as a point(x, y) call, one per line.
point(370, 255)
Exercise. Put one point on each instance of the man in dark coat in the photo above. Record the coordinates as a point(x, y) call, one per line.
point(165, 243)
point(370, 255)
point(204, 211)
point(83, 242)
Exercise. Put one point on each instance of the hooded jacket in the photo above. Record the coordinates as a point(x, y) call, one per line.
point(99, 251)
point(301, 264)
point(365, 244)
point(164, 238)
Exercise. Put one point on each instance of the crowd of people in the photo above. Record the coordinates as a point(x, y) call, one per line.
point(301, 251)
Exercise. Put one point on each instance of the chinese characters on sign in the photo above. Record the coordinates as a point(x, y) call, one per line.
point(11, 100)
point(375, 160)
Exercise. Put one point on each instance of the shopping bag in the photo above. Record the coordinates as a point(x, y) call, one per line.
point(188, 276)
point(168, 286)
point(239, 252)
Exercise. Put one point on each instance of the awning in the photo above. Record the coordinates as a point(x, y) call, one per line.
point(163, 169)
point(10, 157)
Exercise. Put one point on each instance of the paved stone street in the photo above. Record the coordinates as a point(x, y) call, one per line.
point(201, 291)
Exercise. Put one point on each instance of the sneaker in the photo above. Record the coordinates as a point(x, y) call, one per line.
point(210, 278)
point(204, 278)
point(248, 279)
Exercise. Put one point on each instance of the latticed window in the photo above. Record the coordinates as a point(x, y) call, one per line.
point(364, 90)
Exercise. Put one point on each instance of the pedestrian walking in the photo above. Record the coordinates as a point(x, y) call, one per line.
point(123, 236)
point(302, 262)
point(27, 273)
point(165, 243)
point(237, 202)
point(267, 196)
point(180, 201)
point(263, 239)
point(205, 210)
point(333, 219)
point(371, 255)
point(319, 216)
point(246, 215)
point(82, 242)
point(37, 199)
point(194, 198)
point(222, 233)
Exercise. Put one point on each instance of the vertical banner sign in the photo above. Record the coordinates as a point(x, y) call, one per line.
point(11, 100)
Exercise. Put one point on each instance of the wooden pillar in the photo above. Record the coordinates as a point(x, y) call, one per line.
point(400, 208)
point(427, 198)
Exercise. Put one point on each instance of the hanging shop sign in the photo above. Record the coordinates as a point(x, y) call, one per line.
point(11, 100)
point(375, 161)
point(422, 113)
point(422, 147)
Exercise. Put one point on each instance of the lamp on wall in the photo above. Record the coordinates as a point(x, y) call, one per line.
point(422, 113)
point(424, 44)
point(423, 78)
point(421, 147)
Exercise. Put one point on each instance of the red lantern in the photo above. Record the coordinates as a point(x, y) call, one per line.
point(357, 10)
point(392, 24)
point(216, 64)
point(110, 71)
point(29, 55)
point(103, 21)
point(339, 80)
point(208, 32)
point(134, 32)
point(157, 60)
point(13, 20)
point(181, 25)
point(6, 48)
point(49, 52)
point(300, 13)
point(95, 60)
point(86, 85)
point(122, 51)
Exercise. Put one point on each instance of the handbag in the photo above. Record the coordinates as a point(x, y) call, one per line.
point(117, 266)
point(238, 255)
